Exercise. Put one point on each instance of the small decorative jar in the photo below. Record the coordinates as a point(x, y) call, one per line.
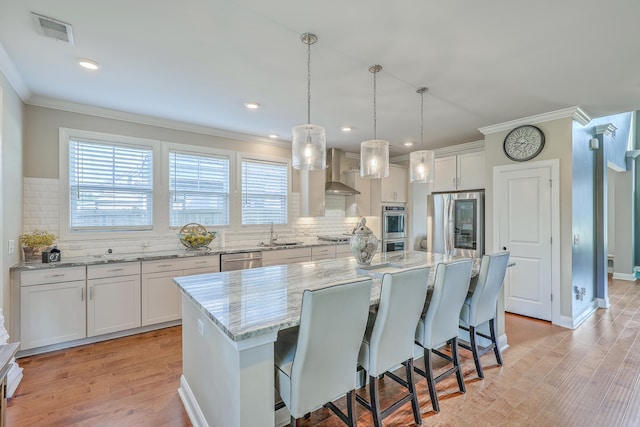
point(363, 243)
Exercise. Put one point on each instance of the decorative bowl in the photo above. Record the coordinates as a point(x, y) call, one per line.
point(195, 236)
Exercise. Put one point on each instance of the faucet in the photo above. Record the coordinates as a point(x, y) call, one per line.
point(271, 238)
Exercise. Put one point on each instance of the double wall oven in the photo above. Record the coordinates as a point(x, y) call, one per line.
point(394, 228)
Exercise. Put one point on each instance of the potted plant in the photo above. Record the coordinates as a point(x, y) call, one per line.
point(34, 243)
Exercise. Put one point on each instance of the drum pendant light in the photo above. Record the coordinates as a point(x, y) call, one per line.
point(422, 163)
point(374, 153)
point(309, 142)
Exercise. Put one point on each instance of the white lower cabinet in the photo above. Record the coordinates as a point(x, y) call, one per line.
point(52, 313)
point(323, 252)
point(343, 251)
point(113, 302)
point(161, 301)
point(285, 256)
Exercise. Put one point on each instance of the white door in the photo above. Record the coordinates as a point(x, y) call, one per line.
point(524, 224)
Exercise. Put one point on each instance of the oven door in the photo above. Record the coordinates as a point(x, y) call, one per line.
point(393, 245)
point(393, 225)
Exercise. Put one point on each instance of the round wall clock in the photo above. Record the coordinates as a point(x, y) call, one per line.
point(523, 143)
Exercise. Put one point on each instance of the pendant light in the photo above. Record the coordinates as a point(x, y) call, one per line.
point(422, 163)
point(309, 142)
point(374, 153)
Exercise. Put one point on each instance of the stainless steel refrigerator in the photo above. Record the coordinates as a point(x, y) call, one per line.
point(455, 223)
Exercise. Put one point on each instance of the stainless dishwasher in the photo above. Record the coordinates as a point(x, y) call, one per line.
point(240, 261)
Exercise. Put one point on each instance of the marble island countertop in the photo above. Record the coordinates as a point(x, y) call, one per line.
point(249, 303)
point(217, 249)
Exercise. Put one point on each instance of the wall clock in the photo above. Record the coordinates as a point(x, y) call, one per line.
point(523, 143)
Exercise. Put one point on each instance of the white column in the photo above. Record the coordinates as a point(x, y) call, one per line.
point(14, 376)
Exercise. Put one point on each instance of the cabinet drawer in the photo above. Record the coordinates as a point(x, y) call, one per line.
point(280, 256)
point(323, 252)
point(343, 251)
point(52, 275)
point(180, 264)
point(113, 269)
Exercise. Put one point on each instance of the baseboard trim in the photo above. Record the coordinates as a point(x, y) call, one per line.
point(602, 302)
point(624, 276)
point(574, 322)
point(191, 404)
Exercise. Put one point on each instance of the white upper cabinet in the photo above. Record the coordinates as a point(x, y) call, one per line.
point(461, 172)
point(394, 187)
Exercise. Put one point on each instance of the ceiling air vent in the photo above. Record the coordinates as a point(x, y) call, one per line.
point(53, 28)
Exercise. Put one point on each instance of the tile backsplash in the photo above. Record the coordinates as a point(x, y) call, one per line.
point(41, 204)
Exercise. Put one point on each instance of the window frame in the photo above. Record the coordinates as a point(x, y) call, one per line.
point(260, 158)
point(168, 147)
point(66, 232)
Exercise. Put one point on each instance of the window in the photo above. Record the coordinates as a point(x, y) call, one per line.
point(198, 189)
point(110, 186)
point(264, 192)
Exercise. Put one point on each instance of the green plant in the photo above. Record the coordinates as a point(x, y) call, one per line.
point(37, 239)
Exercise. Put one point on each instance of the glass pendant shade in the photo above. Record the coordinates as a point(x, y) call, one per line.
point(309, 147)
point(421, 166)
point(374, 158)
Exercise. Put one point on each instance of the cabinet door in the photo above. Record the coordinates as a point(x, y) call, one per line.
point(285, 256)
point(394, 187)
point(343, 251)
point(358, 204)
point(471, 171)
point(52, 313)
point(113, 304)
point(161, 300)
point(445, 174)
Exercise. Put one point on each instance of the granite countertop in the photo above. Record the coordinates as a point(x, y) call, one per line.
point(249, 303)
point(158, 255)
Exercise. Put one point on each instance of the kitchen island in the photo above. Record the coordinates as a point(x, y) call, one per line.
point(231, 320)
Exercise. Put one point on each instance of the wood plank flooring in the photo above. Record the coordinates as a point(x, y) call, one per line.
point(551, 376)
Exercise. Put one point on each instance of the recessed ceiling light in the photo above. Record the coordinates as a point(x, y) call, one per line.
point(408, 144)
point(345, 128)
point(88, 64)
point(273, 135)
point(252, 105)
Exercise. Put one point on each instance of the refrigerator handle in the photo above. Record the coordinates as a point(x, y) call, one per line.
point(449, 224)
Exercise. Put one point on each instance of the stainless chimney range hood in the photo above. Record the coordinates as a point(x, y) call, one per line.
point(333, 185)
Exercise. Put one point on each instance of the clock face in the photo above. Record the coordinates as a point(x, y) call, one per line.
point(524, 143)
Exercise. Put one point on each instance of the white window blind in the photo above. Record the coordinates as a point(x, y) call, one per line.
point(110, 186)
point(264, 192)
point(198, 189)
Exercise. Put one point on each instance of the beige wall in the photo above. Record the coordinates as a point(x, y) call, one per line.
point(11, 135)
point(41, 138)
point(558, 139)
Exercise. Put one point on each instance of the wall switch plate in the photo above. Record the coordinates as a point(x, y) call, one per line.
point(12, 247)
point(576, 239)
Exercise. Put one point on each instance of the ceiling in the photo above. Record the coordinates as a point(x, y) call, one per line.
point(198, 62)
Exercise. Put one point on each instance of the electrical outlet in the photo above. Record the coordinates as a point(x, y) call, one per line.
point(12, 247)
point(200, 328)
point(576, 239)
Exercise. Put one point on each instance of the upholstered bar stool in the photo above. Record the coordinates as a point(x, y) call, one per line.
point(388, 339)
point(316, 363)
point(481, 306)
point(439, 325)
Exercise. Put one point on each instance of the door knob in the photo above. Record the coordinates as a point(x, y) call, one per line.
point(504, 248)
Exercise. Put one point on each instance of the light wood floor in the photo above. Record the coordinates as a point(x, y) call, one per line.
point(551, 377)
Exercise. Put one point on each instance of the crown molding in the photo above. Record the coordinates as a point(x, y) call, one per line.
point(13, 76)
point(607, 129)
point(73, 107)
point(467, 147)
point(575, 113)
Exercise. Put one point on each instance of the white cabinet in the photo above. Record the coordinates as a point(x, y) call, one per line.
point(358, 204)
point(461, 172)
point(394, 187)
point(285, 256)
point(113, 302)
point(161, 300)
point(52, 306)
point(323, 252)
point(343, 251)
